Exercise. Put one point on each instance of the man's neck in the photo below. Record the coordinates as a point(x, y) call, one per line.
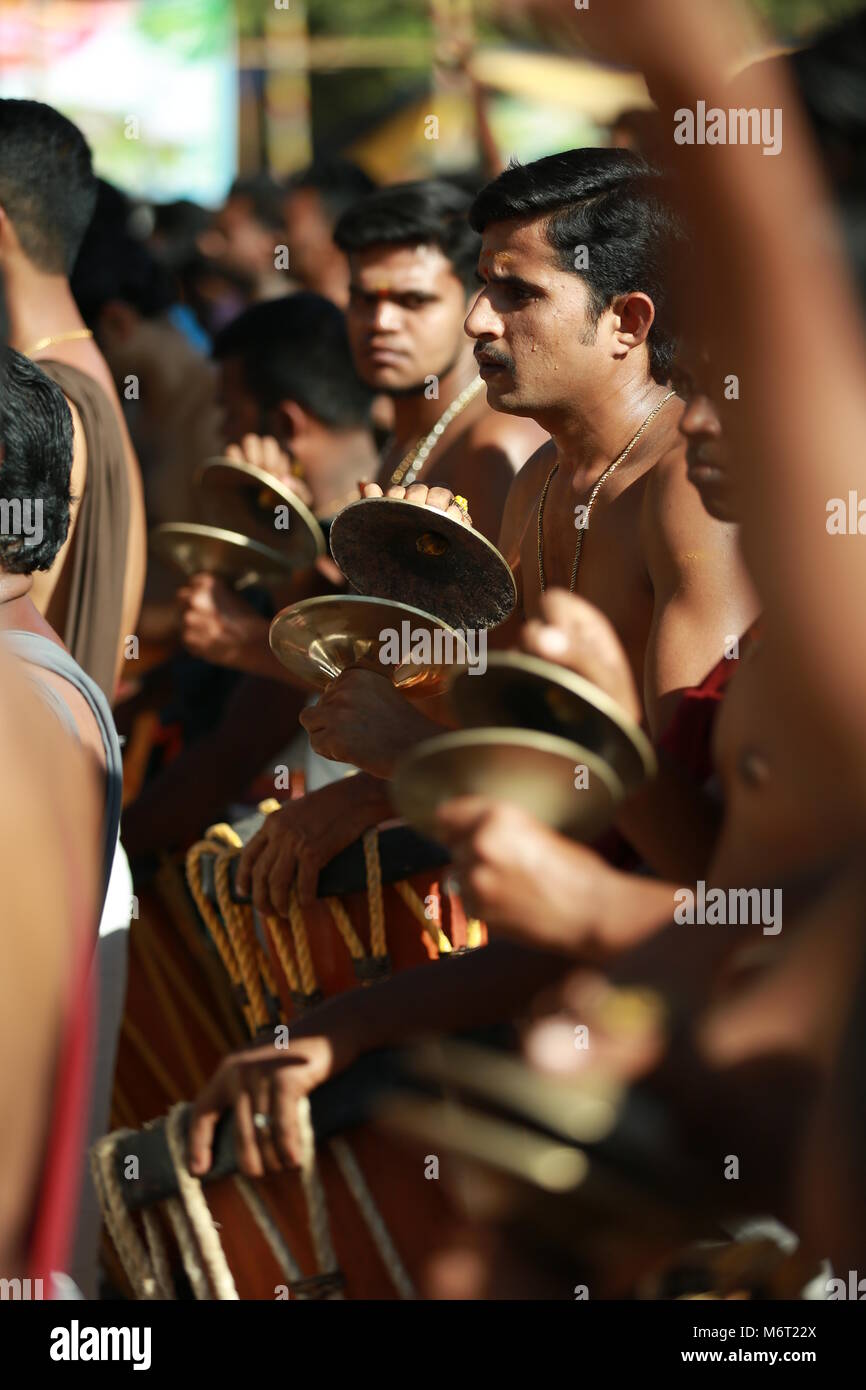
point(352, 458)
point(415, 415)
point(589, 439)
point(39, 305)
point(14, 600)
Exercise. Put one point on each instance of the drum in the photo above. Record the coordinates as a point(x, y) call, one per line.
point(363, 931)
point(204, 978)
point(358, 1220)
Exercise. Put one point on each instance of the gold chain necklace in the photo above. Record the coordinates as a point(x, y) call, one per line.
point(611, 468)
point(410, 466)
point(70, 337)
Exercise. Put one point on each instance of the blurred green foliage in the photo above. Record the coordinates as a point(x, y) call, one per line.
point(345, 100)
point(405, 18)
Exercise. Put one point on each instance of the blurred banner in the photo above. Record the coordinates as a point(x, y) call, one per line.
point(152, 83)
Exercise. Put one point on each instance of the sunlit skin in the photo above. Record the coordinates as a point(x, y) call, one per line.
point(536, 344)
point(405, 317)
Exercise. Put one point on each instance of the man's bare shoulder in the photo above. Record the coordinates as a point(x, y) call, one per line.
point(675, 524)
point(523, 495)
point(530, 479)
point(671, 500)
point(513, 436)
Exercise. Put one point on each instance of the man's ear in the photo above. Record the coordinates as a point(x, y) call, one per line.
point(634, 314)
point(292, 421)
point(117, 321)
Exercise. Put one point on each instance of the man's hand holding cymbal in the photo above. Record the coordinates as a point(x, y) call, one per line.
point(264, 452)
point(423, 496)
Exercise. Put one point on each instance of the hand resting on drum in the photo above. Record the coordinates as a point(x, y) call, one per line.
point(305, 835)
point(266, 1083)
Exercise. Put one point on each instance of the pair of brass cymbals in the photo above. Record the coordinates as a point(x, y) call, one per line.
point(421, 575)
point(537, 734)
point(259, 532)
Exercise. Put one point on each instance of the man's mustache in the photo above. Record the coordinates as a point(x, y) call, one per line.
point(490, 357)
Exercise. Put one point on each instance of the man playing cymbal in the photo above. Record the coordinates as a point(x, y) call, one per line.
point(573, 328)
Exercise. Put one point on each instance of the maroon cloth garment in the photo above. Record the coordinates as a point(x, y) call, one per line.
point(92, 631)
point(688, 740)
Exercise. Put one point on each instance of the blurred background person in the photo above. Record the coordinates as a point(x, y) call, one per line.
point(92, 593)
point(313, 203)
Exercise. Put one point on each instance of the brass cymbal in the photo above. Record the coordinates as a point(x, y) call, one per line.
point(196, 549)
point(535, 771)
point(320, 638)
point(244, 498)
point(400, 550)
point(517, 689)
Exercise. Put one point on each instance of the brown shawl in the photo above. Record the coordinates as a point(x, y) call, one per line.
point(95, 612)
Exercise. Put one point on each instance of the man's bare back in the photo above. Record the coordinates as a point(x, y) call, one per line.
point(51, 589)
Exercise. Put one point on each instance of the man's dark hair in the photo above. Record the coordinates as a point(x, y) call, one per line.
point(47, 184)
point(297, 348)
point(430, 212)
point(338, 182)
point(609, 201)
point(35, 459)
point(264, 196)
point(115, 265)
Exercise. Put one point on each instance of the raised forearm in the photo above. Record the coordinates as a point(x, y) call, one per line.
point(763, 235)
point(631, 909)
point(488, 986)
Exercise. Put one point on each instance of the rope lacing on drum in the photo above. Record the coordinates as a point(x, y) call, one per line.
point(147, 1266)
point(233, 929)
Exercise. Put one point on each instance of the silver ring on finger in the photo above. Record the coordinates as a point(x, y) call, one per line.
point(262, 1122)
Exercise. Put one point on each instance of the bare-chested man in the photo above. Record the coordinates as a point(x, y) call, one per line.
point(589, 353)
point(413, 259)
point(572, 328)
point(92, 593)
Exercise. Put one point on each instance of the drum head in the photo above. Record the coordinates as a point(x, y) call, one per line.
point(399, 550)
point(554, 779)
point(522, 690)
point(195, 549)
point(320, 638)
point(254, 502)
